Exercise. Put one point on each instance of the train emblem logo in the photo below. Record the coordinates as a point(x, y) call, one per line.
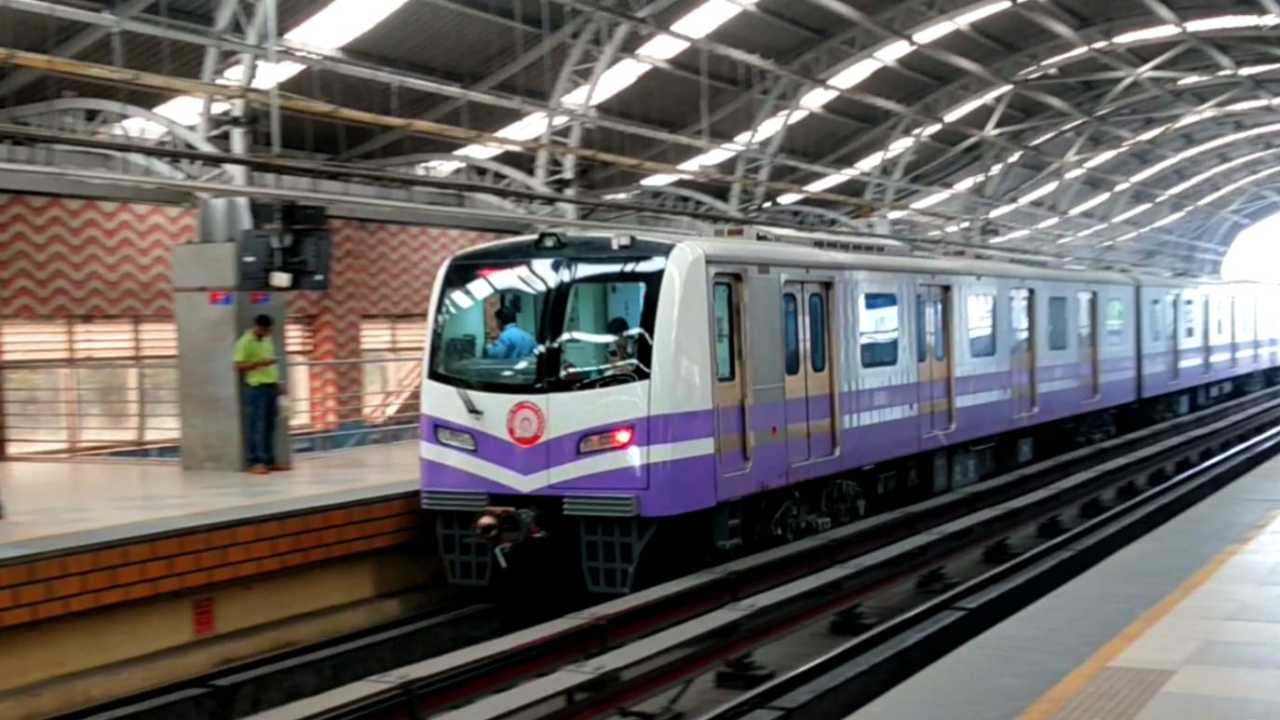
point(525, 424)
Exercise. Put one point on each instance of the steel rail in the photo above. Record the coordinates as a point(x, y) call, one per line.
point(851, 676)
point(821, 562)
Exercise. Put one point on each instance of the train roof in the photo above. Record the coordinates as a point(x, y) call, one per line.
point(869, 253)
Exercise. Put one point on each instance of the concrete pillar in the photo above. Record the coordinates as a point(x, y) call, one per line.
point(212, 311)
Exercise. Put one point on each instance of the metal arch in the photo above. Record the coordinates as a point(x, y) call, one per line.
point(64, 105)
point(497, 168)
point(947, 91)
point(695, 196)
point(827, 216)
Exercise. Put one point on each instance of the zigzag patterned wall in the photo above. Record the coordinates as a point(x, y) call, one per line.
point(63, 257)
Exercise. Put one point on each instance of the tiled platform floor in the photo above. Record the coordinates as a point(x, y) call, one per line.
point(1183, 624)
point(54, 505)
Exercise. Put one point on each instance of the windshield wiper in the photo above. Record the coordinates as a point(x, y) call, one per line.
point(467, 402)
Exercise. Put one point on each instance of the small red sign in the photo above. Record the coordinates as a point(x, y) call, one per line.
point(525, 424)
point(202, 624)
point(259, 297)
point(220, 297)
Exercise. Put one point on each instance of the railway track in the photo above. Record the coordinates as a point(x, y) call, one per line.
point(890, 580)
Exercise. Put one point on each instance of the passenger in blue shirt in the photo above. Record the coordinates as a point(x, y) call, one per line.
point(514, 342)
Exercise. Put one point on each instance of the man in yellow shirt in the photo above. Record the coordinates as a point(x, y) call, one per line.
point(255, 359)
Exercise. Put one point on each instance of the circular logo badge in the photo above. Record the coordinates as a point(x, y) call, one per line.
point(525, 424)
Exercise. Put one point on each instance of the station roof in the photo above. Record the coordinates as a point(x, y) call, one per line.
point(1140, 132)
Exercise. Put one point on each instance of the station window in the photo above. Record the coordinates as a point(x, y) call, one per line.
point(981, 311)
point(817, 332)
point(878, 328)
point(78, 384)
point(1058, 323)
point(722, 300)
point(791, 332)
point(391, 367)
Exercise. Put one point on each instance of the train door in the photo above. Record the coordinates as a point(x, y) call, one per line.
point(733, 437)
point(1177, 318)
point(811, 424)
point(1087, 335)
point(796, 406)
point(934, 369)
point(819, 378)
point(1023, 353)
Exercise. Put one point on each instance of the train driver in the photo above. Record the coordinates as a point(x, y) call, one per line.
point(513, 342)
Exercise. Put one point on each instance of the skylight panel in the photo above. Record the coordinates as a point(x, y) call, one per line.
point(818, 97)
point(184, 110)
point(975, 103)
point(620, 76)
point(855, 73)
point(480, 152)
point(1011, 236)
point(1002, 210)
point(660, 180)
point(826, 183)
point(934, 32)
point(977, 14)
point(928, 202)
point(708, 158)
point(1089, 204)
point(893, 51)
point(1045, 224)
point(1132, 212)
point(1039, 192)
point(1152, 33)
point(663, 47)
point(1174, 217)
point(341, 21)
point(705, 18)
point(790, 198)
point(1222, 22)
point(530, 126)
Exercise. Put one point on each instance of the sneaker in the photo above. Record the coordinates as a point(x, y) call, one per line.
point(258, 470)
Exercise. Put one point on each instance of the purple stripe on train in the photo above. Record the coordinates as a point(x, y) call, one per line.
point(655, 430)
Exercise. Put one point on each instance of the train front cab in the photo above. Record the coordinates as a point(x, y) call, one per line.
point(536, 416)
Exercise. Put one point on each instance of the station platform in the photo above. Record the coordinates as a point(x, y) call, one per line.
point(82, 534)
point(1184, 623)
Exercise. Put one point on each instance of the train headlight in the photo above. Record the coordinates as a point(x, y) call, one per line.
point(456, 438)
point(615, 439)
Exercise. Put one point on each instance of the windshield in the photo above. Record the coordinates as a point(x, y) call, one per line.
point(546, 324)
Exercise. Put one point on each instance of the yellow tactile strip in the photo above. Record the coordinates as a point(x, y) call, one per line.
point(1115, 693)
point(78, 581)
point(1080, 681)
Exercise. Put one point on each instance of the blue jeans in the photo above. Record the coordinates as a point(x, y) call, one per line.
point(260, 400)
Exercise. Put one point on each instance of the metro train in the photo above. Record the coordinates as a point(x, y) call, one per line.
point(634, 403)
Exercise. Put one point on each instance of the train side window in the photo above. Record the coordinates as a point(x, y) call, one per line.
point(1189, 318)
point(1057, 323)
point(817, 332)
point(722, 296)
point(982, 325)
point(791, 332)
point(1154, 321)
point(878, 327)
point(1113, 322)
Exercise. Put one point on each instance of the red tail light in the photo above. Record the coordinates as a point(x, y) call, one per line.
point(615, 439)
